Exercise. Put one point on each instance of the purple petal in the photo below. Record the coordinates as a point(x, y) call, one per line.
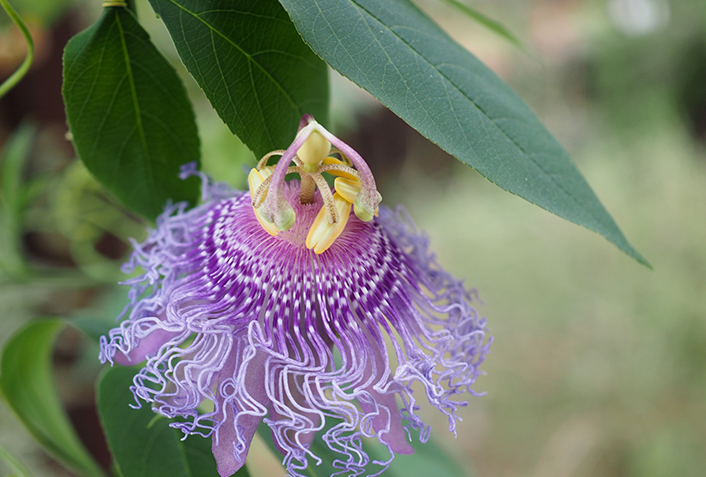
point(228, 459)
point(232, 439)
point(254, 324)
point(387, 422)
point(148, 346)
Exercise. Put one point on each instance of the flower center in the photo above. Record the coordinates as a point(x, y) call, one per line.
point(313, 153)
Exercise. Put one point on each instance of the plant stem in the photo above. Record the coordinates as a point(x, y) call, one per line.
point(10, 82)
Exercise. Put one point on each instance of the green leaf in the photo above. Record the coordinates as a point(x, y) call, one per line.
point(141, 441)
point(395, 52)
point(252, 64)
point(14, 195)
point(132, 124)
point(13, 157)
point(28, 389)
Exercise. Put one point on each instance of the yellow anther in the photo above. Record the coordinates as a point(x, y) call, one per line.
point(254, 180)
point(347, 188)
point(313, 151)
point(322, 234)
point(344, 158)
point(361, 213)
point(333, 172)
point(266, 171)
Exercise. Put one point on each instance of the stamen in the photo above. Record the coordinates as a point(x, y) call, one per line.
point(311, 151)
point(266, 174)
point(266, 171)
point(344, 158)
point(349, 189)
point(266, 157)
point(368, 198)
point(260, 191)
point(346, 188)
point(337, 168)
point(333, 216)
point(255, 182)
point(322, 233)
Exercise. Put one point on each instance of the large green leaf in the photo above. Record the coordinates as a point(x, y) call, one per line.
point(28, 389)
point(395, 52)
point(127, 109)
point(252, 64)
point(142, 443)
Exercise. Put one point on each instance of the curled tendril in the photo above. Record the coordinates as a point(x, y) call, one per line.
point(15, 78)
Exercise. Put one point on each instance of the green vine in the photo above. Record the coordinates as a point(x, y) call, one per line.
point(10, 82)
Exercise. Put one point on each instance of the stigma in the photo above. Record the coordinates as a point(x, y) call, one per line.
point(313, 153)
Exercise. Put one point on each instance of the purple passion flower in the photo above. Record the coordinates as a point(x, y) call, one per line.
point(301, 305)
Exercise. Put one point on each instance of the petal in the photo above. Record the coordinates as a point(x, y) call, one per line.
point(224, 450)
point(388, 413)
point(298, 437)
point(388, 422)
point(230, 447)
point(150, 344)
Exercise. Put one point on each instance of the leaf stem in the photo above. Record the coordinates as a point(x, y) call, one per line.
point(10, 82)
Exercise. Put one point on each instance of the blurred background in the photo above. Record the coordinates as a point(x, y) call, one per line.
point(598, 365)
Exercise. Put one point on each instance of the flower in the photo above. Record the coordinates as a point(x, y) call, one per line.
point(281, 304)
